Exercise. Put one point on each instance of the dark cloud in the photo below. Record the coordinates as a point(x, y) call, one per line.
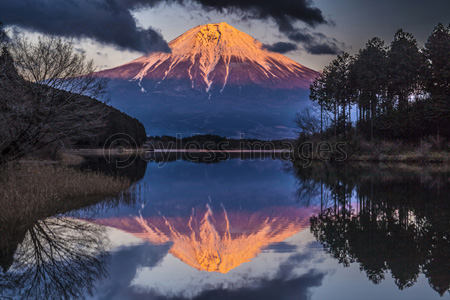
point(313, 43)
point(280, 288)
point(298, 287)
point(111, 21)
point(286, 269)
point(281, 47)
point(286, 284)
point(323, 48)
point(106, 21)
point(285, 14)
point(281, 247)
point(282, 11)
point(123, 267)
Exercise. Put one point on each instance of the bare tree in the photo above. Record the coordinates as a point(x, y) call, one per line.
point(45, 90)
point(309, 121)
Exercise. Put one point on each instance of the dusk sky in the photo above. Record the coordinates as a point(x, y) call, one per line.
point(121, 30)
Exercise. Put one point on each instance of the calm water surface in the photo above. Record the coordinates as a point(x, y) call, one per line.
point(245, 229)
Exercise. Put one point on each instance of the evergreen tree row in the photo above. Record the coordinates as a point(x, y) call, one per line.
point(400, 91)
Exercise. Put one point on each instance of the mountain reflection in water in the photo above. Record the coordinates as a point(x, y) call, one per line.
point(242, 229)
point(219, 241)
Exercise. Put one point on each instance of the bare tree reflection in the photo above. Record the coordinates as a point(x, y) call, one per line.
point(59, 258)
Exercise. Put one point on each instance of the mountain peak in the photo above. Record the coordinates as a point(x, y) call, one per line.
point(213, 32)
point(217, 26)
point(215, 57)
point(205, 36)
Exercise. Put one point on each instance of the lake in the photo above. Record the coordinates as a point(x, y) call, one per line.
point(253, 228)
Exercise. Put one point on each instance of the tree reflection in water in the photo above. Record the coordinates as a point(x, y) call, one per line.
point(52, 252)
point(388, 220)
point(59, 258)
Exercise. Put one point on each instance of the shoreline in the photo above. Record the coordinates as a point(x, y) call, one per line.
point(74, 156)
point(143, 150)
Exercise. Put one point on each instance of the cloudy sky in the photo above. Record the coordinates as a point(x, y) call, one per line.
point(113, 32)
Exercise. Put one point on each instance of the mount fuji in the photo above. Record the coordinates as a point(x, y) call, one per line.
point(216, 80)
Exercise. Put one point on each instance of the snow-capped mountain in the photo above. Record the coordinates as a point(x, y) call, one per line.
point(214, 59)
point(216, 80)
point(216, 242)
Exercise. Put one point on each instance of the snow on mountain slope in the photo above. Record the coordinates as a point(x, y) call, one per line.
point(219, 241)
point(213, 58)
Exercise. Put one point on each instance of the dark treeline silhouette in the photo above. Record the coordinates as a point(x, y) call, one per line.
point(215, 142)
point(399, 92)
point(134, 165)
point(116, 122)
point(386, 220)
point(48, 101)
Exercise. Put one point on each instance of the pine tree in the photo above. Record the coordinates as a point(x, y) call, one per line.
point(334, 93)
point(371, 81)
point(437, 78)
point(404, 65)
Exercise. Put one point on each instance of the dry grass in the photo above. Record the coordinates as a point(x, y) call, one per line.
point(406, 157)
point(31, 191)
point(381, 151)
point(68, 158)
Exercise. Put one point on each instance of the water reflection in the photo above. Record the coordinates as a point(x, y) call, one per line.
point(56, 258)
point(128, 167)
point(49, 250)
point(387, 220)
point(219, 241)
point(228, 218)
point(242, 229)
